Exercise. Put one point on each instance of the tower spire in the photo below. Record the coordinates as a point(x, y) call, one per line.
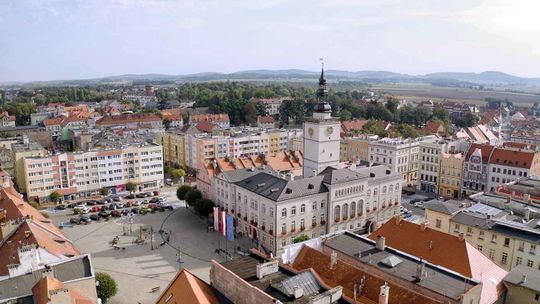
point(322, 92)
point(322, 109)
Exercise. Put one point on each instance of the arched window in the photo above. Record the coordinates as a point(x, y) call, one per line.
point(391, 188)
point(397, 187)
point(284, 212)
point(384, 190)
point(302, 208)
point(360, 207)
point(353, 208)
point(345, 211)
point(369, 192)
point(337, 213)
point(293, 210)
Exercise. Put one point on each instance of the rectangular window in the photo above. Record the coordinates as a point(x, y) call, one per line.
point(438, 223)
point(506, 242)
point(519, 261)
point(504, 258)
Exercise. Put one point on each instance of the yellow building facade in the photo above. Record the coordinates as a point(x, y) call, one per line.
point(450, 174)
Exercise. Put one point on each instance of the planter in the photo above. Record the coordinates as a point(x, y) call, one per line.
point(314, 225)
point(337, 220)
point(323, 222)
point(263, 228)
point(293, 230)
point(271, 232)
point(284, 233)
point(344, 218)
point(302, 228)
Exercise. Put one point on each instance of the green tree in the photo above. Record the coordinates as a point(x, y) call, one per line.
point(177, 173)
point(104, 191)
point(250, 112)
point(54, 197)
point(345, 115)
point(106, 286)
point(392, 105)
point(167, 123)
point(131, 186)
point(192, 196)
point(261, 109)
point(182, 191)
point(407, 131)
point(162, 104)
point(374, 127)
point(300, 238)
point(441, 114)
point(204, 207)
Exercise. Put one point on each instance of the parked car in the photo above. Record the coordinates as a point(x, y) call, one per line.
point(90, 203)
point(60, 207)
point(74, 220)
point(155, 193)
point(166, 206)
point(107, 200)
point(116, 213)
point(111, 207)
point(104, 214)
point(95, 209)
point(154, 200)
point(125, 211)
point(84, 219)
point(102, 202)
point(81, 209)
point(135, 210)
point(119, 205)
point(129, 204)
point(72, 205)
point(94, 217)
point(140, 195)
point(418, 204)
point(169, 182)
point(130, 196)
point(116, 198)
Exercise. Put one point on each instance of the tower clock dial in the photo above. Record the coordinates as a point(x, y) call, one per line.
point(310, 132)
point(329, 130)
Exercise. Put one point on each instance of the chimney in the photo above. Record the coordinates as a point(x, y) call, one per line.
point(527, 215)
point(47, 272)
point(333, 260)
point(6, 182)
point(266, 268)
point(420, 271)
point(384, 294)
point(381, 243)
point(523, 279)
point(461, 237)
point(423, 226)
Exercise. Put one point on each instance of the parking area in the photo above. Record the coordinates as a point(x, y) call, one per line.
point(151, 263)
point(413, 205)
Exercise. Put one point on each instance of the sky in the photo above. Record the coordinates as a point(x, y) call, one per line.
point(79, 39)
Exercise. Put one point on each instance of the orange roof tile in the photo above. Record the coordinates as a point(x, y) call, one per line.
point(486, 151)
point(206, 126)
point(209, 117)
point(187, 288)
point(512, 157)
point(128, 118)
point(350, 125)
point(266, 119)
point(347, 275)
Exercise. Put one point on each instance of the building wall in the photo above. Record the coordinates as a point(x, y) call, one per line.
point(450, 174)
point(402, 156)
point(439, 221)
point(430, 154)
point(357, 149)
point(20, 174)
point(84, 174)
point(518, 294)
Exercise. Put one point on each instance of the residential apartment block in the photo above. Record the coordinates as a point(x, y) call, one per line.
point(507, 238)
point(431, 150)
point(194, 150)
point(401, 155)
point(222, 120)
point(81, 174)
point(450, 175)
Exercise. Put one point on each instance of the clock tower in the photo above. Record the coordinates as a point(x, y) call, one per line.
point(321, 135)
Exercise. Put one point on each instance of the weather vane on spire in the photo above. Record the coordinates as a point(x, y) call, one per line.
point(322, 62)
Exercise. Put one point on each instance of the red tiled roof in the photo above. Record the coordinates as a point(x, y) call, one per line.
point(347, 275)
point(266, 119)
point(42, 290)
point(350, 125)
point(512, 157)
point(187, 288)
point(128, 118)
point(433, 127)
point(486, 151)
point(206, 126)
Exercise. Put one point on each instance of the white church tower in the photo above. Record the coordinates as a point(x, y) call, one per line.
point(321, 135)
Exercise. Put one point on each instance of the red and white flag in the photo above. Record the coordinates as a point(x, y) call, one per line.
point(223, 223)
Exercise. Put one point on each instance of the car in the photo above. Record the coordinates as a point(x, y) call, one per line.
point(125, 211)
point(104, 214)
point(116, 198)
point(116, 213)
point(74, 220)
point(111, 207)
point(129, 204)
point(407, 215)
point(169, 182)
point(418, 204)
point(154, 200)
point(95, 209)
point(140, 195)
point(130, 196)
point(94, 217)
point(134, 210)
point(119, 205)
point(60, 207)
point(71, 205)
point(81, 209)
point(155, 193)
point(90, 203)
point(137, 203)
point(102, 202)
point(162, 198)
point(83, 219)
point(107, 200)
point(165, 206)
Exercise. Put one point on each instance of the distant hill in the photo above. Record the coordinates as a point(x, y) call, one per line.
point(488, 77)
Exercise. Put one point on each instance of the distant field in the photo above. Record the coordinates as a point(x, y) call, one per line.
point(454, 94)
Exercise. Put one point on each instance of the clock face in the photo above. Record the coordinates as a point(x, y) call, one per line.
point(329, 130)
point(310, 132)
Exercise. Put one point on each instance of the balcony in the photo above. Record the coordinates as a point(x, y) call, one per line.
point(314, 225)
point(323, 222)
point(302, 228)
point(293, 230)
point(271, 232)
point(337, 220)
point(283, 232)
point(263, 228)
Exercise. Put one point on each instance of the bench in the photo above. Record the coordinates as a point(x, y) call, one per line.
point(155, 289)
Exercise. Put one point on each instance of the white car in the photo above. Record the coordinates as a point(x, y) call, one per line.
point(162, 198)
point(82, 209)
